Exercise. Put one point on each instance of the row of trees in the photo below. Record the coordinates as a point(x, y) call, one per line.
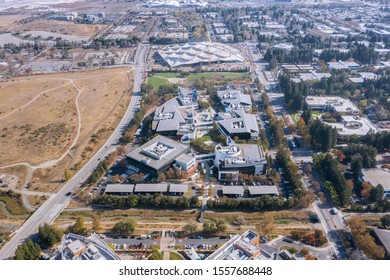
point(100, 170)
point(363, 240)
point(291, 171)
point(265, 202)
point(99, 43)
point(329, 170)
point(160, 201)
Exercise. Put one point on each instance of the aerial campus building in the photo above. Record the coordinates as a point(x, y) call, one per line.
point(175, 3)
point(351, 123)
point(377, 176)
point(197, 53)
point(233, 99)
point(77, 247)
point(146, 189)
point(179, 117)
point(235, 158)
point(238, 123)
point(241, 247)
point(158, 155)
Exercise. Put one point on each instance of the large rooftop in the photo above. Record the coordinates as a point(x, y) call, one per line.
point(239, 247)
point(195, 53)
point(237, 121)
point(233, 97)
point(377, 176)
point(158, 152)
point(339, 104)
point(77, 247)
point(354, 125)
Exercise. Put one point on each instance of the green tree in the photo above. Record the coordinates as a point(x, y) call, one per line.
point(189, 228)
point(49, 235)
point(79, 227)
point(385, 221)
point(67, 174)
point(124, 228)
point(156, 255)
point(28, 251)
point(96, 223)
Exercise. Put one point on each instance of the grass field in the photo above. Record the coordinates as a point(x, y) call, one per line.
point(206, 138)
point(174, 256)
point(155, 81)
point(159, 79)
point(13, 205)
point(296, 116)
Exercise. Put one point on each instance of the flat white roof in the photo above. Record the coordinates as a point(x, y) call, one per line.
point(263, 190)
point(354, 125)
point(377, 176)
point(163, 187)
point(119, 188)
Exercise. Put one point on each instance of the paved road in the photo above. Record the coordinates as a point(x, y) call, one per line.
point(49, 211)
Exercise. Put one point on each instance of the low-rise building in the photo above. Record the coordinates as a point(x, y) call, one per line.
point(383, 236)
point(377, 176)
point(150, 189)
point(331, 104)
point(235, 158)
point(255, 191)
point(233, 191)
point(241, 247)
point(238, 123)
point(233, 99)
point(119, 189)
point(155, 156)
point(77, 247)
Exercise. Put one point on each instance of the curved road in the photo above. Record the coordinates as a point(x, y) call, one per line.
point(49, 210)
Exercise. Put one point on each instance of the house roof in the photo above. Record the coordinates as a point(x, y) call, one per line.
point(384, 237)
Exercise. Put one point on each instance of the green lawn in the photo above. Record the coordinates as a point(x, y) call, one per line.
point(206, 138)
point(13, 206)
point(175, 257)
point(157, 81)
point(315, 114)
point(295, 117)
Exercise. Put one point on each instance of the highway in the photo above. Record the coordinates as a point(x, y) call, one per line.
point(49, 210)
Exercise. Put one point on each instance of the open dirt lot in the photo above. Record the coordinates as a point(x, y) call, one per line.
point(56, 26)
point(40, 119)
point(6, 20)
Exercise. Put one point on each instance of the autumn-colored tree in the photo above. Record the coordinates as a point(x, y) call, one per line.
point(366, 191)
point(67, 174)
point(266, 225)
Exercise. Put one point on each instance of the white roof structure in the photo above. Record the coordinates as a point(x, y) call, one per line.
point(119, 188)
point(77, 247)
point(195, 53)
point(237, 121)
point(354, 125)
point(240, 247)
point(377, 176)
point(233, 98)
point(336, 103)
point(146, 188)
point(175, 3)
point(263, 190)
